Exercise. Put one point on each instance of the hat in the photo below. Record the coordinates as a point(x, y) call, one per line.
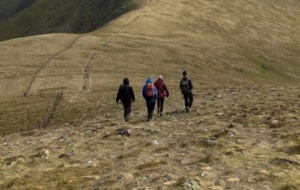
point(149, 80)
point(184, 73)
point(160, 77)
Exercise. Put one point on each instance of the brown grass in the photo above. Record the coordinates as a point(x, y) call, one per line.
point(239, 50)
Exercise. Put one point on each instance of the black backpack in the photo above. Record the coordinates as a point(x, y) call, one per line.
point(185, 86)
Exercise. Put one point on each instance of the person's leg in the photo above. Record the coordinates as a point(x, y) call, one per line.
point(150, 107)
point(191, 99)
point(148, 110)
point(158, 106)
point(127, 111)
point(186, 101)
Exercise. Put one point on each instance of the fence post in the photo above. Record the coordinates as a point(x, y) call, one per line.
point(57, 97)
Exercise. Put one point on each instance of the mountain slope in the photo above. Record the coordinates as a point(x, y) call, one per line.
point(243, 58)
point(27, 17)
point(224, 44)
point(8, 7)
point(234, 138)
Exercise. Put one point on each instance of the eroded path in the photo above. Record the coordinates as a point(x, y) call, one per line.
point(87, 78)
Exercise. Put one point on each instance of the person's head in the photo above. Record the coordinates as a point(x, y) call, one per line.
point(126, 81)
point(184, 73)
point(160, 77)
point(149, 80)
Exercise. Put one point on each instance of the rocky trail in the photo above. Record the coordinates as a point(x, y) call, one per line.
point(234, 138)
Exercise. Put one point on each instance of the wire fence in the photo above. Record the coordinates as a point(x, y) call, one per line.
point(45, 120)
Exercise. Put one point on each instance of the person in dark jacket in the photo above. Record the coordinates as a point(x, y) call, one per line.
point(162, 92)
point(186, 87)
point(126, 95)
point(149, 92)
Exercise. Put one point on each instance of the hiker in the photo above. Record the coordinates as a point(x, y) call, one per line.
point(186, 87)
point(162, 92)
point(126, 95)
point(150, 94)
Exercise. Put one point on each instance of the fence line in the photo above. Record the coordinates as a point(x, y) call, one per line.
point(45, 120)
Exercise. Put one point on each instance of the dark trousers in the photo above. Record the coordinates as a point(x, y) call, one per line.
point(127, 110)
point(188, 99)
point(160, 105)
point(150, 108)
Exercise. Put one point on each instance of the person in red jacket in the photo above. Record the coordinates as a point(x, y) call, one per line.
point(162, 91)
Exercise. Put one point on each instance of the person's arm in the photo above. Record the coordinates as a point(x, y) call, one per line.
point(143, 91)
point(166, 89)
point(155, 93)
point(191, 84)
point(118, 95)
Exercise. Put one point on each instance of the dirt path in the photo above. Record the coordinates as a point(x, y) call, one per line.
point(44, 64)
point(87, 78)
point(89, 66)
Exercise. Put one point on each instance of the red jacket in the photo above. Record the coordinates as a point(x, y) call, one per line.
point(162, 89)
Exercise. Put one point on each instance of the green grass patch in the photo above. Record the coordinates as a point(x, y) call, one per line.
point(21, 113)
point(59, 16)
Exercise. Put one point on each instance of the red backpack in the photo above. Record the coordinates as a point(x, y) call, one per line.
point(160, 89)
point(150, 90)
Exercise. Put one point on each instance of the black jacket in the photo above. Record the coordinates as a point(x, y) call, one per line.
point(190, 84)
point(125, 94)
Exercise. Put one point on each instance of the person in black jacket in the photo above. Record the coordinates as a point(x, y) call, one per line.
point(126, 95)
point(186, 87)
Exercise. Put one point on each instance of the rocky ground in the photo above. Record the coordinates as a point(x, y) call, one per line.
point(234, 138)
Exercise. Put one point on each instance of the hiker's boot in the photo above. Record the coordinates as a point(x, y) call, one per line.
point(160, 114)
point(187, 109)
point(127, 118)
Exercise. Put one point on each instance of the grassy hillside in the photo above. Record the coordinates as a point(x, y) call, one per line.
point(8, 8)
point(219, 44)
point(242, 132)
point(41, 17)
point(233, 138)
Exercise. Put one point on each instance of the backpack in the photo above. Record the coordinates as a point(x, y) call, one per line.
point(160, 89)
point(185, 86)
point(150, 90)
point(124, 93)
